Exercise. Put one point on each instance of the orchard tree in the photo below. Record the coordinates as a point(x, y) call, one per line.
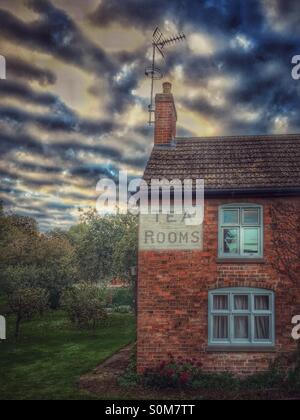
point(84, 304)
point(34, 259)
point(26, 303)
point(106, 246)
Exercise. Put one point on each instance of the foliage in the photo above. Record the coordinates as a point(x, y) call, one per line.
point(29, 258)
point(130, 376)
point(294, 374)
point(218, 382)
point(84, 304)
point(171, 374)
point(26, 303)
point(270, 379)
point(106, 246)
point(96, 250)
point(188, 375)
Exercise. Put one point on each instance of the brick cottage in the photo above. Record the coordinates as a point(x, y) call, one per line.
point(227, 305)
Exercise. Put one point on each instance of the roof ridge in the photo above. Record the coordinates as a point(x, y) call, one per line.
point(237, 136)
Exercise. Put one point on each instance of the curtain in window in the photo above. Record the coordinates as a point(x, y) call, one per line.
point(220, 327)
point(220, 302)
point(262, 303)
point(241, 303)
point(241, 327)
point(262, 327)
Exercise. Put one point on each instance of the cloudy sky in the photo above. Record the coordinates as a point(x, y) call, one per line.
point(74, 105)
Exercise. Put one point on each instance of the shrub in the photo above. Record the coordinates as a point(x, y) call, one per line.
point(84, 304)
point(130, 377)
point(170, 374)
point(273, 378)
point(27, 302)
point(219, 382)
point(187, 375)
point(294, 374)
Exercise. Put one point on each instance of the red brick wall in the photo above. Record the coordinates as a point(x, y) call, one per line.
point(165, 117)
point(173, 299)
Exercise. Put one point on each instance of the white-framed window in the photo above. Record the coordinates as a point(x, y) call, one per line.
point(241, 231)
point(241, 317)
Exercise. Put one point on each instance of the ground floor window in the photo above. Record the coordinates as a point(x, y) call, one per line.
point(241, 316)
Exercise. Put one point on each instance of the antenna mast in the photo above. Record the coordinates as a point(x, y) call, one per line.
point(159, 42)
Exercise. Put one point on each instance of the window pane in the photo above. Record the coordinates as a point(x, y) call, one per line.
point(251, 216)
point(221, 302)
point(262, 303)
point(251, 241)
point(231, 241)
point(220, 327)
point(241, 327)
point(231, 217)
point(262, 327)
point(241, 303)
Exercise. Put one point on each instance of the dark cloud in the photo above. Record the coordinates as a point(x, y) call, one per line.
point(203, 107)
point(23, 92)
point(25, 70)
point(18, 141)
point(93, 172)
point(62, 119)
point(55, 33)
point(221, 15)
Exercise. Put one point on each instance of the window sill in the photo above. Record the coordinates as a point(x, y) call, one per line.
point(241, 261)
point(241, 349)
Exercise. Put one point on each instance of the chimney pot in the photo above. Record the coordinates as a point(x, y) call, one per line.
point(167, 87)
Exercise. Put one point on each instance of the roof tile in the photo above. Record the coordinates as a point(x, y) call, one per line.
point(236, 162)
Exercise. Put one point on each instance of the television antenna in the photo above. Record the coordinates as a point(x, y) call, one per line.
point(159, 42)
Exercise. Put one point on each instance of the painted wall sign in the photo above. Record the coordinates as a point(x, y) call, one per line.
point(169, 232)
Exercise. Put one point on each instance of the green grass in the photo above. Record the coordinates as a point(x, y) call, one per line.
point(51, 355)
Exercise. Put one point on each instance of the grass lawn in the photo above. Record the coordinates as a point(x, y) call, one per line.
point(51, 355)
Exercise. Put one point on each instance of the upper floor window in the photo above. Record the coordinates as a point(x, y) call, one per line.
point(241, 316)
point(241, 231)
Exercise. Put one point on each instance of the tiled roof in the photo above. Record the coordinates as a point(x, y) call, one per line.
point(230, 163)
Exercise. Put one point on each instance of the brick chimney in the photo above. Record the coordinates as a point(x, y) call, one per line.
point(165, 116)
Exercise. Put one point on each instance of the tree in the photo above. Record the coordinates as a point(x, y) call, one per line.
point(106, 246)
point(26, 302)
point(33, 259)
point(84, 304)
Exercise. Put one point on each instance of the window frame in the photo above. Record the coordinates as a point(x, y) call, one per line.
point(251, 313)
point(241, 227)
